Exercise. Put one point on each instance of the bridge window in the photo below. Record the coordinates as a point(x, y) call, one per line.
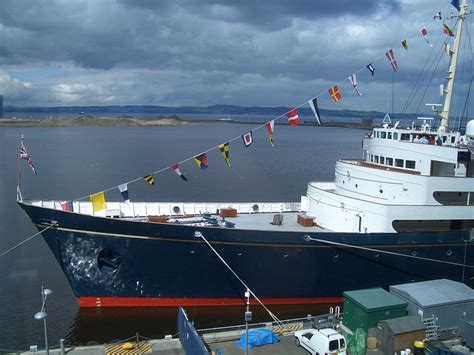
point(389, 135)
point(376, 159)
point(410, 164)
point(382, 160)
point(395, 136)
point(405, 137)
point(383, 134)
point(389, 161)
point(399, 163)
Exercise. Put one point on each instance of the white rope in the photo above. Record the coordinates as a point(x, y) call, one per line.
point(308, 238)
point(26, 240)
point(200, 235)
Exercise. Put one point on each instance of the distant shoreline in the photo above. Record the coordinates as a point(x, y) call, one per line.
point(91, 121)
point(108, 121)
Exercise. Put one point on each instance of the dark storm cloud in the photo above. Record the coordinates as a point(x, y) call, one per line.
point(269, 14)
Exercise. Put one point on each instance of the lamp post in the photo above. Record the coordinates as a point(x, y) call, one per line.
point(41, 315)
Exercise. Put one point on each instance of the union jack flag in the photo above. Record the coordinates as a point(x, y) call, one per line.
point(24, 155)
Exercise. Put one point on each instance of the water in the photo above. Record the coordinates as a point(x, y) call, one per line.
point(75, 162)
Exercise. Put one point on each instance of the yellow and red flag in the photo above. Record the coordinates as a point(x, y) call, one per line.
point(448, 31)
point(335, 94)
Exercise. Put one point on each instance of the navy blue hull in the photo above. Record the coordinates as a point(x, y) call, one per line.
point(109, 261)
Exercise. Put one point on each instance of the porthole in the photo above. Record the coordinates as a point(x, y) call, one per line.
point(285, 255)
point(239, 253)
point(376, 255)
point(343, 182)
point(413, 253)
point(336, 256)
point(357, 186)
point(449, 252)
point(176, 210)
point(381, 191)
point(255, 208)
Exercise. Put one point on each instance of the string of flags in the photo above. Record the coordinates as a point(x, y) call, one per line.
point(293, 119)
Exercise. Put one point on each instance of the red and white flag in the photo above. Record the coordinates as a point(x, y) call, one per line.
point(24, 155)
point(391, 59)
point(424, 33)
point(353, 79)
point(270, 126)
point(293, 118)
point(178, 172)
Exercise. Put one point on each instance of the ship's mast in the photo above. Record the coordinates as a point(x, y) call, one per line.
point(444, 115)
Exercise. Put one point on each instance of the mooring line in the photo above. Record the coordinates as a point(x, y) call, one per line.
point(308, 238)
point(274, 317)
point(27, 240)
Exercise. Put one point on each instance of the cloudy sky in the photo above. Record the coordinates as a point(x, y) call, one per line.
point(205, 52)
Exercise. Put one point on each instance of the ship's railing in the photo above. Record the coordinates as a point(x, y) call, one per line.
point(144, 209)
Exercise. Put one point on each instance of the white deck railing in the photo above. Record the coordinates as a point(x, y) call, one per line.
point(144, 209)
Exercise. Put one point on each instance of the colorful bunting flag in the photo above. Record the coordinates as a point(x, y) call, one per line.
point(67, 206)
point(353, 79)
point(334, 93)
point(405, 44)
point(424, 33)
point(98, 202)
point(371, 68)
point(224, 148)
point(124, 192)
point(446, 49)
point(447, 30)
point(149, 179)
point(178, 172)
point(437, 16)
point(201, 161)
point(247, 139)
point(270, 126)
point(391, 59)
point(314, 107)
point(24, 155)
point(293, 117)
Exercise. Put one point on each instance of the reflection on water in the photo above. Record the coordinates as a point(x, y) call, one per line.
point(103, 325)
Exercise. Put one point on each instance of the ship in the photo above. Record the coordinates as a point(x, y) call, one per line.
point(402, 213)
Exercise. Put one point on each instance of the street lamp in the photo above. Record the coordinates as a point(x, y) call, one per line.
point(41, 315)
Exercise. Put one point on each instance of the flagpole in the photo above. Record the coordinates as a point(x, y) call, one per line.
point(18, 190)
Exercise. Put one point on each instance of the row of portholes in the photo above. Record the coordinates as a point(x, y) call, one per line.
point(356, 186)
point(336, 256)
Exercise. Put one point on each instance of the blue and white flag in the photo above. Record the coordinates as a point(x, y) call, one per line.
point(124, 191)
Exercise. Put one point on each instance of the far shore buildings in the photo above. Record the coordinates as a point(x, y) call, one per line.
point(1, 106)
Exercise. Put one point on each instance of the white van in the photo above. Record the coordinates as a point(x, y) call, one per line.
point(321, 342)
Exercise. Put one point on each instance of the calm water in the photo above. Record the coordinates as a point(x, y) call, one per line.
point(75, 162)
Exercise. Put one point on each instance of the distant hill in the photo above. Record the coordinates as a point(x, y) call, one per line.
point(212, 110)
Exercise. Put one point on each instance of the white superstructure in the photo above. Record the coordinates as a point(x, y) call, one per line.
point(410, 179)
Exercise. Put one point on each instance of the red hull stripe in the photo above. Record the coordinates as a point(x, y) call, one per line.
point(175, 302)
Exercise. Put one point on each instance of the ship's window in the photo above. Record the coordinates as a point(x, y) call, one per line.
point(410, 164)
point(389, 135)
point(376, 159)
point(449, 253)
point(357, 186)
point(453, 139)
point(382, 160)
point(405, 137)
point(399, 163)
point(176, 210)
point(383, 134)
point(389, 161)
point(395, 136)
point(381, 191)
point(255, 208)
point(371, 157)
